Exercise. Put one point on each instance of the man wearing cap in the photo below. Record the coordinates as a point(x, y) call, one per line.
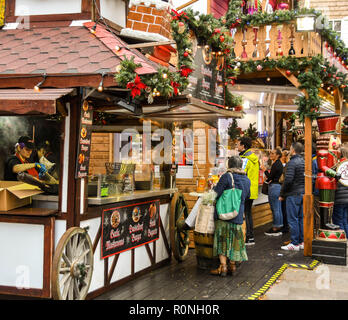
point(19, 162)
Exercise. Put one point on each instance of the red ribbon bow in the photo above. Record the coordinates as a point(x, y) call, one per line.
point(136, 86)
point(175, 86)
point(177, 16)
point(185, 71)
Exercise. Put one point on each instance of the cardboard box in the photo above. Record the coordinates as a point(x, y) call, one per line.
point(15, 194)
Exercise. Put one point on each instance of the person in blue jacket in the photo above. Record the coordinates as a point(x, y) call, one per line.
point(228, 237)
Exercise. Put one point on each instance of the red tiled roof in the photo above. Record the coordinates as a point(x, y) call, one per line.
point(68, 50)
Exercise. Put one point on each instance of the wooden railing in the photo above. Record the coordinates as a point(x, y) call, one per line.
point(275, 41)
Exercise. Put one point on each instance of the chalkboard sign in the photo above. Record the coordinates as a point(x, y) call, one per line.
point(84, 141)
point(130, 226)
point(207, 83)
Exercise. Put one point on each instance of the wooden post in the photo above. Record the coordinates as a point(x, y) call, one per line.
point(338, 109)
point(308, 205)
point(308, 196)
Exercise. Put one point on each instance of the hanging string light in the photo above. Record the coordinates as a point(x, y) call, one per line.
point(37, 87)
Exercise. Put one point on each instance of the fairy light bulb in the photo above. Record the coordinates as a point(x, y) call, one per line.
point(268, 79)
point(164, 76)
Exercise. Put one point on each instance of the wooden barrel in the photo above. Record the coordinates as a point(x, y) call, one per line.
point(204, 251)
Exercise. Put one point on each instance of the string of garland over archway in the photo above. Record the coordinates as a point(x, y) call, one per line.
point(313, 73)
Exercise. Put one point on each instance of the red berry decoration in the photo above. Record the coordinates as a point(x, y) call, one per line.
point(222, 38)
point(186, 54)
point(288, 72)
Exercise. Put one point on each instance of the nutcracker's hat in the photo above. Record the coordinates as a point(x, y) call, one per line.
point(327, 124)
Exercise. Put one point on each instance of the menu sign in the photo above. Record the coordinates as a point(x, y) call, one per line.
point(84, 142)
point(129, 226)
point(207, 83)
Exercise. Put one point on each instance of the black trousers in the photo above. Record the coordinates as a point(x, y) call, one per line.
point(248, 218)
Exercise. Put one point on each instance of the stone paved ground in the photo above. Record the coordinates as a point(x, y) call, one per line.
point(326, 282)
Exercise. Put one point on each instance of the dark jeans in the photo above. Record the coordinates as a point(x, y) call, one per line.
point(248, 218)
point(285, 218)
point(294, 207)
point(340, 216)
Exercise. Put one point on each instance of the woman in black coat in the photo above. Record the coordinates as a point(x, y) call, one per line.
point(274, 187)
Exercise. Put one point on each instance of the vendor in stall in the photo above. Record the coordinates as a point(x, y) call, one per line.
point(19, 162)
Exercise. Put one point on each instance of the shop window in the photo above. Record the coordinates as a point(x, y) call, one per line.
point(336, 25)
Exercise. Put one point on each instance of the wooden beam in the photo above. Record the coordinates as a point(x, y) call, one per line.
point(338, 98)
point(150, 44)
point(112, 269)
point(186, 4)
point(28, 106)
point(198, 103)
point(53, 17)
point(56, 81)
point(308, 204)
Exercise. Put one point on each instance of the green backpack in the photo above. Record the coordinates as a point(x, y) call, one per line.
point(227, 206)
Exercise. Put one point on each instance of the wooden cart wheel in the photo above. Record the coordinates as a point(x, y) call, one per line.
point(72, 265)
point(179, 238)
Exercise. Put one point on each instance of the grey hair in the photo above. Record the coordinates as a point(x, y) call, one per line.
point(344, 150)
point(235, 162)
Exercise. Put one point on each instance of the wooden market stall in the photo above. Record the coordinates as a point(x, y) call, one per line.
point(55, 225)
point(273, 54)
point(92, 234)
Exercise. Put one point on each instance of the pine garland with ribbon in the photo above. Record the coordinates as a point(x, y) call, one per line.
point(313, 72)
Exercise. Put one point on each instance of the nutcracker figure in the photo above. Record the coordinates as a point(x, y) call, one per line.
point(328, 158)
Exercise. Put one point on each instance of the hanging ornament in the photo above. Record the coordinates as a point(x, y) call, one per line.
point(279, 40)
point(186, 54)
point(207, 55)
point(292, 38)
point(255, 53)
point(220, 62)
point(181, 28)
point(259, 67)
point(222, 38)
point(244, 43)
point(233, 31)
point(288, 72)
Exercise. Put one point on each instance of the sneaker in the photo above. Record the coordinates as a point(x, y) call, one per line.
point(272, 232)
point(291, 247)
point(301, 246)
point(250, 242)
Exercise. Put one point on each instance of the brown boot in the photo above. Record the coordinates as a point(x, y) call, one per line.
point(232, 268)
point(220, 271)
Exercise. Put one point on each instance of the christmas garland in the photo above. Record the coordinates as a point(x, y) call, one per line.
point(313, 72)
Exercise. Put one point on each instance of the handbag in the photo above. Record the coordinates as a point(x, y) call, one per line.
point(227, 206)
point(205, 219)
point(264, 189)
